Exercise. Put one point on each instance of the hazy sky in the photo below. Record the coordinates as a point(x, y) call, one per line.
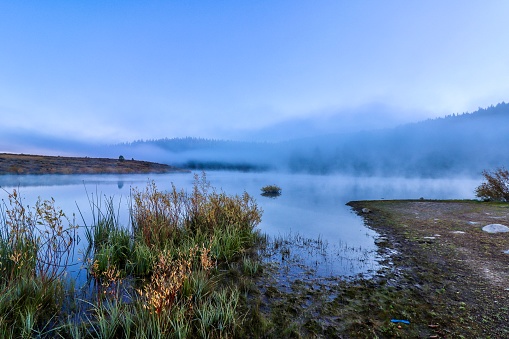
point(124, 70)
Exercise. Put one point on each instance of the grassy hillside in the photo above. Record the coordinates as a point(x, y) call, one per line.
point(38, 164)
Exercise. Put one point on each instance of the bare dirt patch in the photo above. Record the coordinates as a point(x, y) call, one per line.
point(461, 272)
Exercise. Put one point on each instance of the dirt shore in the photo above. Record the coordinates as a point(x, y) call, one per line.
point(457, 273)
point(39, 164)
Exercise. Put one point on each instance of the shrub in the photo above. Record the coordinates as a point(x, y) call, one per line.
point(271, 191)
point(496, 186)
point(121, 158)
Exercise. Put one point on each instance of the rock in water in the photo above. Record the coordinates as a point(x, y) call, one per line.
point(495, 228)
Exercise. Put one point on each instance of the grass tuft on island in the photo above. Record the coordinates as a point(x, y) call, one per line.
point(44, 164)
point(271, 191)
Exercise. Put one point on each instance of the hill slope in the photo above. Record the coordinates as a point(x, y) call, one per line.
point(465, 143)
point(38, 164)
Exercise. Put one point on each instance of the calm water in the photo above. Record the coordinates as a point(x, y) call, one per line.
point(311, 212)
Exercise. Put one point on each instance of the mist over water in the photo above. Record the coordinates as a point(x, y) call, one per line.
point(310, 206)
point(456, 145)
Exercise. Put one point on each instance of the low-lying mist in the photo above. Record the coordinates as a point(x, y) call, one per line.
point(457, 145)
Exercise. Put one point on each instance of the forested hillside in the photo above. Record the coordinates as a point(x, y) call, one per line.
point(457, 144)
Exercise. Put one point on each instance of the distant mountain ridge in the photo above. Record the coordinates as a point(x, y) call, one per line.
point(460, 143)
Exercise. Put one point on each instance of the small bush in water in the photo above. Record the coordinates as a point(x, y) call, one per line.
point(271, 189)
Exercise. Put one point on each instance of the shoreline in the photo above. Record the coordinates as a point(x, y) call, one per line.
point(452, 274)
point(29, 164)
point(442, 276)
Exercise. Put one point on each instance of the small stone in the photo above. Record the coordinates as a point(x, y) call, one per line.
point(495, 228)
point(366, 210)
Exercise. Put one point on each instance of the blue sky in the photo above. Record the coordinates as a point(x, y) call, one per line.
point(109, 71)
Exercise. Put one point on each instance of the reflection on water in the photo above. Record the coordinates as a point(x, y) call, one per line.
point(310, 206)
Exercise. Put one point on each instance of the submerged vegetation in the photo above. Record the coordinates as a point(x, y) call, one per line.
point(180, 269)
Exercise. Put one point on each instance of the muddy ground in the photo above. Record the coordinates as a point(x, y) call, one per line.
point(442, 275)
point(38, 164)
point(459, 272)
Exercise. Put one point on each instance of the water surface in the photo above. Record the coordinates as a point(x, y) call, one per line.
point(311, 212)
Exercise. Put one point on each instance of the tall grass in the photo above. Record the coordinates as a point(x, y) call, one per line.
point(35, 248)
point(162, 217)
point(165, 275)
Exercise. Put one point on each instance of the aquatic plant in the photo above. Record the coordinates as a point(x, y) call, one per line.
point(173, 248)
point(166, 274)
point(162, 217)
point(35, 248)
point(271, 191)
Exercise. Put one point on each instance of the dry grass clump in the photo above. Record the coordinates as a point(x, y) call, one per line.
point(166, 281)
point(159, 217)
point(169, 276)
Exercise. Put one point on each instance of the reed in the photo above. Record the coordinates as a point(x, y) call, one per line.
point(164, 275)
point(35, 248)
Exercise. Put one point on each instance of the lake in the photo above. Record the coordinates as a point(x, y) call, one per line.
point(315, 230)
